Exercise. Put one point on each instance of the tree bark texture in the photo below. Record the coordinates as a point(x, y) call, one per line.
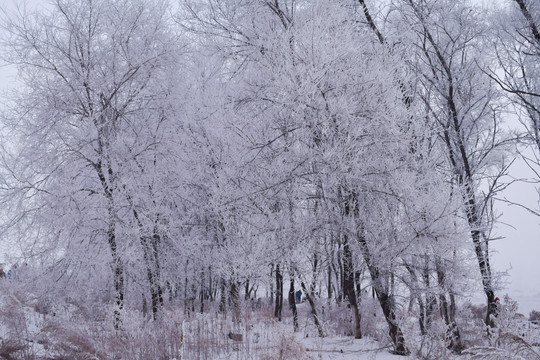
point(279, 293)
point(292, 304)
point(309, 298)
point(349, 286)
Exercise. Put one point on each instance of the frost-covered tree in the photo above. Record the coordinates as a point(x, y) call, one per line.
point(312, 144)
point(87, 136)
point(318, 120)
point(448, 58)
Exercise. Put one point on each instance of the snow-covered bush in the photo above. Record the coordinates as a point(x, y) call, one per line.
point(534, 315)
point(433, 345)
point(287, 348)
point(339, 321)
point(506, 339)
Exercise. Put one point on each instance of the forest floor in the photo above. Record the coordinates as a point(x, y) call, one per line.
point(29, 331)
point(347, 348)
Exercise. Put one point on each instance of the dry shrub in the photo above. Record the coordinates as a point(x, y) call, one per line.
point(13, 317)
point(88, 339)
point(141, 339)
point(433, 345)
point(66, 340)
point(470, 320)
point(287, 347)
point(16, 324)
point(534, 316)
point(478, 312)
point(507, 346)
point(339, 320)
point(372, 316)
point(12, 349)
point(516, 345)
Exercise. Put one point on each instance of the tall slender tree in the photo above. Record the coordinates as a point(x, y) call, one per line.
point(94, 76)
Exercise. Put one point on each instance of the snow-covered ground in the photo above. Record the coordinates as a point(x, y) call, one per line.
point(211, 336)
point(347, 348)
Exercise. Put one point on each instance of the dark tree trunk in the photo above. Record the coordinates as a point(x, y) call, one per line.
point(153, 294)
point(150, 260)
point(385, 300)
point(223, 298)
point(315, 269)
point(107, 182)
point(271, 284)
point(170, 291)
point(202, 291)
point(453, 336)
point(389, 311)
point(118, 275)
point(329, 283)
point(349, 286)
point(156, 240)
point(311, 302)
point(211, 295)
point(342, 293)
point(192, 298)
point(425, 309)
point(235, 299)
point(186, 292)
point(247, 292)
point(144, 306)
point(279, 293)
point(431, 301)
point(292, 304)
point(350, 208)
point(423, 319)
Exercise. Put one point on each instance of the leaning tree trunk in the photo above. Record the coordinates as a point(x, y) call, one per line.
point(458, 156)
point(309, 298)
point(386, 301)
point(351, 208)
point(388, 307)
point(460, 162)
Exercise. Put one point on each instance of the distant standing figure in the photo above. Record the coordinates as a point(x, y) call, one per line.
point(12, 273)
point(298, 296)
point(496, 305)
point(2, 274)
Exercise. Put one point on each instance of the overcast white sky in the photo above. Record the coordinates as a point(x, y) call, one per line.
point(519, 250)
point(517, 253)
